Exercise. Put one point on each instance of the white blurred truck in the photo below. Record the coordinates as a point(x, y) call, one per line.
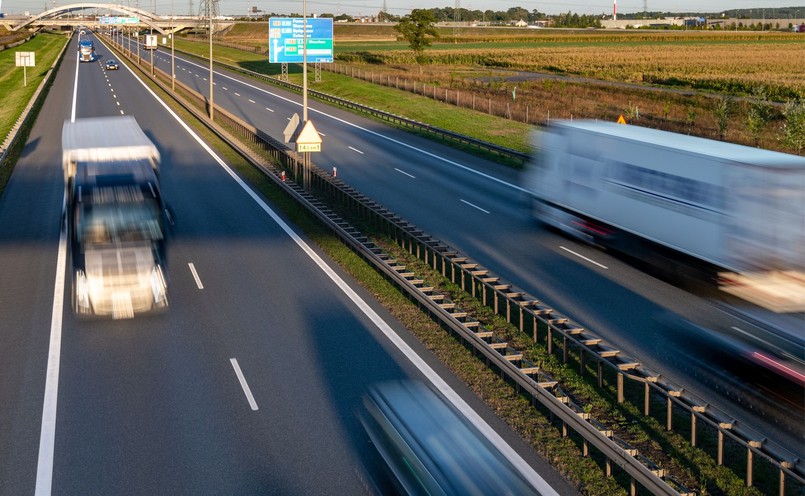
point(115, 217)
point(678, 202)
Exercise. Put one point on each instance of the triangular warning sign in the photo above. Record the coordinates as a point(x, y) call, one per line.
point(621, 120)
point(308, 134)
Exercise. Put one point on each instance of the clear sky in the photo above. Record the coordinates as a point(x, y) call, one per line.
point(401, 7)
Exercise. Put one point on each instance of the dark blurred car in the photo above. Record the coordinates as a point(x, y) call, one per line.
point(431, 448)
point(111, 65)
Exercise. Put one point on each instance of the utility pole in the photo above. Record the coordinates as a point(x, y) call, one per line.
point(173, 61)
point(210, 9)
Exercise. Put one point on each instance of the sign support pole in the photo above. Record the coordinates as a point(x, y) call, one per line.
point(305, 155)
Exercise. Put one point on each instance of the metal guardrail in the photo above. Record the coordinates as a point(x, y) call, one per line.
point(520, 309)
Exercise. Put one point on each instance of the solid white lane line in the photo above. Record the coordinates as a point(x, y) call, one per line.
point(403, 172)
point(195, 275)
point(243, 384)
point(583, 257)
point(355, 150)
point(75, 91)
point(47, 434)
point(475, 206)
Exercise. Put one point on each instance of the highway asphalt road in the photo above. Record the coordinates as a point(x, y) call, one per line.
point(247, 385)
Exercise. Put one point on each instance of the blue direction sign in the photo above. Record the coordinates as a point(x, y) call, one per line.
point(285, 39)
point(118, 20)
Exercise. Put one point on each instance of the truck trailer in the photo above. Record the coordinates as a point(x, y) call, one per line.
point(730, 211)
point(115, 218)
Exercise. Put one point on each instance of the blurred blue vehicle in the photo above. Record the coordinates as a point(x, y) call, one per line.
point(432, 449)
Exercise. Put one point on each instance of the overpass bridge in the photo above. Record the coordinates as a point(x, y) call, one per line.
point(65, 15)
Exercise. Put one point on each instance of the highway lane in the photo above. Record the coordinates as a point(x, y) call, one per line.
point(247, 385)
point(487, 220)
point(29, 235)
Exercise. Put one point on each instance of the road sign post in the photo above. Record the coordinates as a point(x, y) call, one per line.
point(304, 135)
point(25, 60)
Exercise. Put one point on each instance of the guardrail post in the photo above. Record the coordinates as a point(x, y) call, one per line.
point(620, 387)
point(671, 395)
point(693, 411)
point(646, 398)
point(750, 460)
point(600, 374)
point(720, 456)
point(749, 466)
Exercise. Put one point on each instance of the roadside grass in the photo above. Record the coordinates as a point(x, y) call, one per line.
point(16, 96)
point(8, 37)
point(468, 122)
point(479, 125)
point(227, 55)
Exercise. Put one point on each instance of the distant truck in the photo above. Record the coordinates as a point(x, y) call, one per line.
point(115, 217)
point(86, 51)
point(678, 201)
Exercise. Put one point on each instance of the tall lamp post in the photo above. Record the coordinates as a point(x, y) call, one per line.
point(173, 35)
point(210, 11)
point(305, 155)
point(304, 61)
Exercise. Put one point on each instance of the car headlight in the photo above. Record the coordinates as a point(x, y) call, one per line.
point(82, 304)
point(159, 287)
